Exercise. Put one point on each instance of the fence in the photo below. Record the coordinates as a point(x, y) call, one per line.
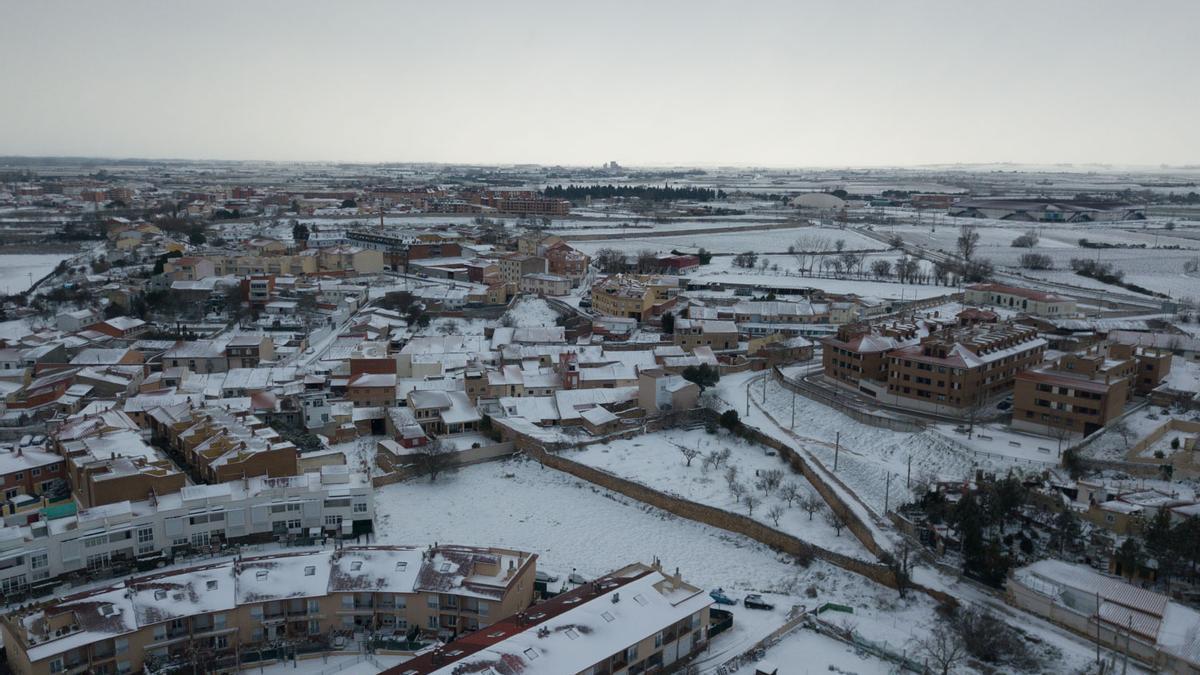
point(796, 618)
point(882, 650)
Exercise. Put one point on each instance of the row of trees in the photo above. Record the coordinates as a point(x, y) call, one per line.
point(665, 193)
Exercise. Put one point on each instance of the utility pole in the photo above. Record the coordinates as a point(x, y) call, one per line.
point(837, 446)
point(887, 491)
point(793, 409)
point(908, 480)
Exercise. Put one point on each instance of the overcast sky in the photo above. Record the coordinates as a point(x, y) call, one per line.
point(784, 83)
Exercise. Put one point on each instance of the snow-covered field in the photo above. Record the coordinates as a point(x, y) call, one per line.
point(572, 524)
point(655, 460)
point(772, 241)
point(878, 289)
point(865, 455)
point(531, 312)
point(1158, 269)
point(18, 272)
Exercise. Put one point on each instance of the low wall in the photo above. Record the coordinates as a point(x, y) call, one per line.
point(709, 515)
point(466, 457)
point(822, 397)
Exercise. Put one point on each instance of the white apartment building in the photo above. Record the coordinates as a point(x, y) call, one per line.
point(329, 502)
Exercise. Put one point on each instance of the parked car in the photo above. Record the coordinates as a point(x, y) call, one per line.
point(544, 577)
point(720, 598)
point(1004, 405)
point(755, 601)
point(577, 579)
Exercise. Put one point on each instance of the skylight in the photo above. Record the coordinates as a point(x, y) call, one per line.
point(401, 565)
point(640, 599)
point(309, 570)
point(607, 617)
point(356, 566)
point(212, 584)
point(571, 634)
point(261, 574)
point(531, 653)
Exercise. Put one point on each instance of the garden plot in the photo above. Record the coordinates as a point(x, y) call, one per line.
point(658, 462)
point(531, 312)
point(866, 455)
point(572, 524)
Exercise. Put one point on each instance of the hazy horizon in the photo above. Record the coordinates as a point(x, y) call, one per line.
point(766, 84)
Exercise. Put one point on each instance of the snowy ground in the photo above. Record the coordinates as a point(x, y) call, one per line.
point(18, 272)
point(865, 455)
point(571, 524)
point(806, 652)
point(15, 329)
point(1155, 267)
point(655, 460)
point(769, 241)
point(877, 289)
point(531, 312)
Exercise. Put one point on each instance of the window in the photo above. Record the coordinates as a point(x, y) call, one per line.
point(431, 601)
point(56, 666)
point(356, 565)
point(310, 570)
point(293, 524)
point(314, 627)
point(212, 584)
point(37, 471)
point(20, 475)
point(360, 507)
point(333, 521)
point(432, 623)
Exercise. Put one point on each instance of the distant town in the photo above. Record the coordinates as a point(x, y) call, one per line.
point(421, 418)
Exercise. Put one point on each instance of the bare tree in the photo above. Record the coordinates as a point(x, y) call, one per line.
point(738, 491)
point(1121, 427)
point(731, 475)
point(812, 504)
point(769, 480)
point(610, 260)
point(689, 454)
point(647, 261)
point(835, 521)
point(790, 493)
point(881, 268)
point(968, 242)
point(942, 648)
point(751, 501)
point(775, 514)
point(433, 458)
